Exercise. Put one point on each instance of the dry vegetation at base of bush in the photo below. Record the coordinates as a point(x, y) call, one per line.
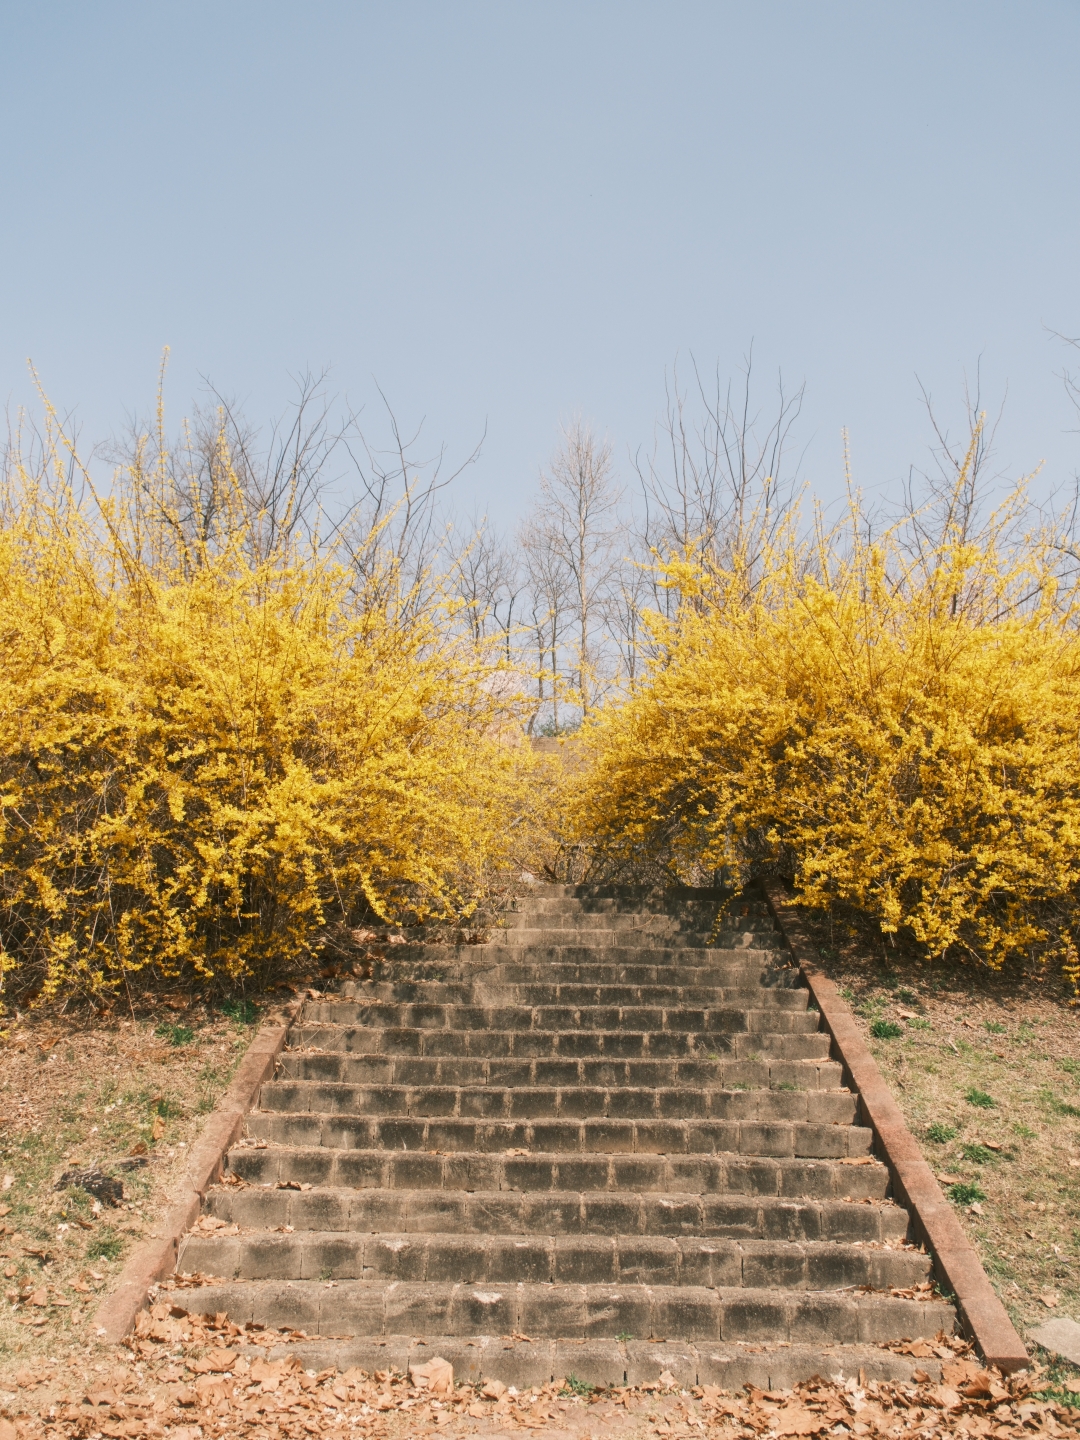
point(986, 1068)
point(80, 1096)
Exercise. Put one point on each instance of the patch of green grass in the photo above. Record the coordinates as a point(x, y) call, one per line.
point(106, 1246)
point(624, 1335)
point(966, 1192)
point(980, 1154)
point(980, 1099)
point(941, 1133)
point(918, 1023)
point(1057, 1381)
point(240, 1012)
point(1056, 1105)
point(994, 1027)
point(1072, 1067)
point(175, 1034)
point(907, 996)
point(166, 1108)
point(1025, 1132)
point(786, 1085)
point(885, 1029)
point(574, 1386)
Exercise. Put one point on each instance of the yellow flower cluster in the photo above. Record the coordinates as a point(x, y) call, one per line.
point(894, 724)
point(210, 748)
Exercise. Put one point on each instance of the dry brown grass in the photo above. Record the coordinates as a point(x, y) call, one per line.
point(76, 1094)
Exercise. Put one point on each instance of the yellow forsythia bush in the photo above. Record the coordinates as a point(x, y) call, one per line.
point(893, 725)
point(209, 751)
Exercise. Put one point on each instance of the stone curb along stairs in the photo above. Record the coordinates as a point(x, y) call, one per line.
point(612, 1141)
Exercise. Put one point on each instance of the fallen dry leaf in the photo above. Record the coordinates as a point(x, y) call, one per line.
point(1050, 1298)
point(436, 1375)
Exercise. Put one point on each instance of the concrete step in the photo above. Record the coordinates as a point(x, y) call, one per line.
point(560, 1212)
point(571, 1312)
point(768, 1365)
point(786, 1176)
point(464, 1070)
point(570, 1102)
point(482, 991)
point(623, 918)
point(507, 946)
point(511, 1258)
point(629, 938)
point(697, 929)
point(620, 1044)
point(765, 1017)
point(568, 1137)
point(740, 972)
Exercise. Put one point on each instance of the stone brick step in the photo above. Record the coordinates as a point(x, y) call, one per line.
point(602, 1212)
point(652, 902)
point(564, 1044)
point(739, 970)
point(628, 938)
point(507, 946)
point(787, 1177)
point(768, 1365)
point(700, 927)
point(576, 1102)
point(561, 1260)
point(697, 922)
point(464, 1070)
point(801, 1139)
point(568, 1312)
point(484, 992)
point(764, 1018)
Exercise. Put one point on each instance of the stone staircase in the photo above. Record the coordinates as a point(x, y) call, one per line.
point(609, 1142)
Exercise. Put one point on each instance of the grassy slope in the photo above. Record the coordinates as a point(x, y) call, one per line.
point(984, 1061)
point(74, 1095)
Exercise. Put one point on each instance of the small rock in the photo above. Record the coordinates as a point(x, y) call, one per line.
point(1061, 1336)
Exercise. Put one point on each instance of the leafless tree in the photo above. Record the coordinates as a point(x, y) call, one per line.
point(547, 592)
point(721, 478)
point(575, 521)
point(316, 475)
point(486, 573)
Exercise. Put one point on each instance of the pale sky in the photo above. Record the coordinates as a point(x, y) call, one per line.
point(508, 213)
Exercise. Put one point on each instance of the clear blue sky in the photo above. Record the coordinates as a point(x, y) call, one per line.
point(509, 212)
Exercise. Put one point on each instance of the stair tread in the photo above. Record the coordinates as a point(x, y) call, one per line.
point(451, 1256)
point(562, 1311)
point(770, 1365)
